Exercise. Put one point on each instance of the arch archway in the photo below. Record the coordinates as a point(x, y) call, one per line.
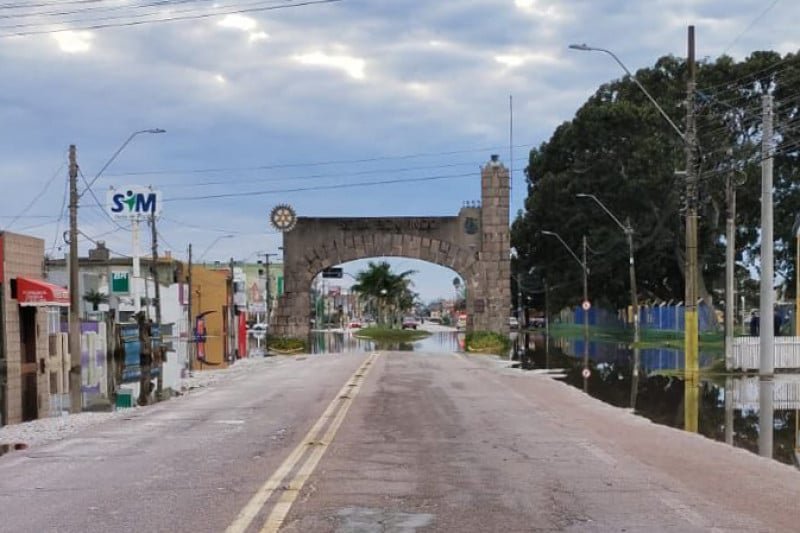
point(475, 244)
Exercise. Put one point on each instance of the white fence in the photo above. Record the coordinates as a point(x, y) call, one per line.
point(785, 394)
point(747, 353)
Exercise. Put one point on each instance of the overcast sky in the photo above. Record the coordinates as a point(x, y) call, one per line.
point(312, 97)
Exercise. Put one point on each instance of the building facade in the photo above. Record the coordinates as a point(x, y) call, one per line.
point(33, 359)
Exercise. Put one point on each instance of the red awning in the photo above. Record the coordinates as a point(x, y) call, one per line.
point(37, 292)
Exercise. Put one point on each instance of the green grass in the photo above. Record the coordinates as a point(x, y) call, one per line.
point(487, 342)
point(649, 338)
point(384, 334)
point(286, 344)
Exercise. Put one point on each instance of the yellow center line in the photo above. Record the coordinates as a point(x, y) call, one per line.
point(251, 509)
point(284, 504)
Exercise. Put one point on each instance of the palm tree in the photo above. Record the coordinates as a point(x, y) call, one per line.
point(388, 289)
point(95, 298)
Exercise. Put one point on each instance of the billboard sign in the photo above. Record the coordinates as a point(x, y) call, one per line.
point(133, 202)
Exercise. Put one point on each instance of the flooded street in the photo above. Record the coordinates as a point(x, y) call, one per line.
point(338, 341)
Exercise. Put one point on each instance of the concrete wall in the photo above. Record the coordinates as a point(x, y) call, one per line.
point(475, 244)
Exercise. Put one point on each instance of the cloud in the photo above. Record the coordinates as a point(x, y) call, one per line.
point(239, 22)
point(352, 66)
point(73, 42)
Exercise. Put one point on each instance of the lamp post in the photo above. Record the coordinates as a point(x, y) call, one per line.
point(585, 300)
point(628, 230)
point(76, 401)
point(587, 48)
point(689, 139)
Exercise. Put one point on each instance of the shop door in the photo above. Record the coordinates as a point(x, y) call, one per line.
point(30, 393)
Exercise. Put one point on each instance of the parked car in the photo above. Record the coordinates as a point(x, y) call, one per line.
point(354, 324)
point(410, 322)
point(513, 323)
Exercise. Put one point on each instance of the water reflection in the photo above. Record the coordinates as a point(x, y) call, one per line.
point(337, 341)
point(653, 383)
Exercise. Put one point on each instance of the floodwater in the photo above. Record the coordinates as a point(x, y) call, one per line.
point(338, 341)
point(724, 407)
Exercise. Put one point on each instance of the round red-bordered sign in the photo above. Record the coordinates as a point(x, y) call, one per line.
point(586, 305)
point(586, 373)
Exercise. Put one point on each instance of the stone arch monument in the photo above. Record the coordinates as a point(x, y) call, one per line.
point(475, 244)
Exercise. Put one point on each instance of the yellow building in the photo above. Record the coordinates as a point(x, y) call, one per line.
point(210, 304)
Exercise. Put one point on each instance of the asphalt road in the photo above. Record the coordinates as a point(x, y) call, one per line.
point(394, 442)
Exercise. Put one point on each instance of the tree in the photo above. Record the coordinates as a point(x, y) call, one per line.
point(619, 148)
point(95, 298)
point(391, 291)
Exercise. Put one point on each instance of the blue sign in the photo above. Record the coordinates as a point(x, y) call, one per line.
point(133, 202)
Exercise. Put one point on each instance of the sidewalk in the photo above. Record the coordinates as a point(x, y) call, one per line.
point(44, 430)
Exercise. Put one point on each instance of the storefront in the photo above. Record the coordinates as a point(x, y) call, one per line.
point(33, 361)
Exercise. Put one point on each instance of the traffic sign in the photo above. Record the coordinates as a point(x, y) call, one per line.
point(332, 273)
point(586, 373)
point(586, 305)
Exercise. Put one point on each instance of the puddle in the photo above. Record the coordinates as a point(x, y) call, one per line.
point(322, 342)
point(722, 407)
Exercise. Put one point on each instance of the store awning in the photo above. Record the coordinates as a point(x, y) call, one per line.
point(37, 292)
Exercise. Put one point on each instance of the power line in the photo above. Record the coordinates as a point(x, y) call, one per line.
point(276, 166)
point(195, 16)
point(318, 176)
point(38, 196)
point(750, 26)
point(317, 188)
point(99, 204)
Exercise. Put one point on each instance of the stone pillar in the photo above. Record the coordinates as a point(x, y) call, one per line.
point(492, 290)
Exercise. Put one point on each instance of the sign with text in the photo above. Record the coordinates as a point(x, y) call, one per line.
point(332, 273)
point(133, 202)
point(120, 282)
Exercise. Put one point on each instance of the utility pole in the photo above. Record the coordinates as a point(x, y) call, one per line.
point(159, 353)
point(730, 251)
point(632, 273)
point(585, 319)
point(75, 396)
point(691, 325)
point(767, 303)
point(232, 318)
point(190, 321)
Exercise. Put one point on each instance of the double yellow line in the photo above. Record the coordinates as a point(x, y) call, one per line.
point(332, 417)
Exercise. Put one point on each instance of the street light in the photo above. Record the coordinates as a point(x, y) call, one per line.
point(120, 149)
point(691, 330)
point(215, 241)
point(585, 301)
point(587, 48)
point(628, 230)
point(76, 401)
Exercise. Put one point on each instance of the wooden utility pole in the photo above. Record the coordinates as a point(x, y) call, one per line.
point(159, 352)
point(75, 396)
